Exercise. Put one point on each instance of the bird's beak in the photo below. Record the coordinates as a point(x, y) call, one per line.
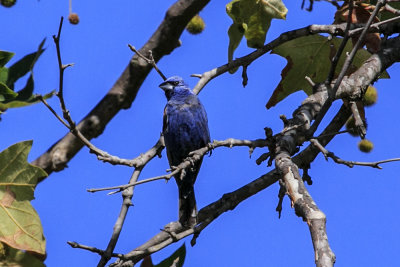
point(166, 86)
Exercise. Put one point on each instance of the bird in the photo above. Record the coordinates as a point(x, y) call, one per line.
point(185, 129)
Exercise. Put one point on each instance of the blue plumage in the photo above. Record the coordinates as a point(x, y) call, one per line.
point(185, 129)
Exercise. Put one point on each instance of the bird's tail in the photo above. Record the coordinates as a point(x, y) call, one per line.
point(187, 206)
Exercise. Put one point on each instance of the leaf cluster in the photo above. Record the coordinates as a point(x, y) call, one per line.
point(20, 224)
point(252, 19)
point(9, 97)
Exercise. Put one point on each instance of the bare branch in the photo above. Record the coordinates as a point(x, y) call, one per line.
point(194, 156)
point(306, 208)
point(308, 79)
point(339, 52)
point(92, 249)
point(40, 97)
point(377, 27)
point(150, 60)
point(350, 164)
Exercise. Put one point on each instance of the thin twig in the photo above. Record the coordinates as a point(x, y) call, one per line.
point(339, 132)
point(375, 27)
point(40, 97)
point(92, 249)
point(70, 6)
point(348, 163)
point(150, 60)
point(342, 45)
point(61, 69)
point(310, 81)
point(196, 75)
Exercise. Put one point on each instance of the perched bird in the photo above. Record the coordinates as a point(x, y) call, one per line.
point(185, 129)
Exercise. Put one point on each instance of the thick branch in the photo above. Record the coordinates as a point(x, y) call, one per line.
point(306, 208)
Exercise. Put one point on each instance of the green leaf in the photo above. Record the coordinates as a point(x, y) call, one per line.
point(6, 93)
point(3, 74)
point(19, 222)
point(254, 17)
point(5, 57)
point(235, 33)
point(15, 103)
point(19, 258)
point(177, 258)
point(23, 66)
point(310, 56)
point(257, 28)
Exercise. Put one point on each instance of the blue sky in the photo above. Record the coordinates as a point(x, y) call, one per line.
point(360, 203)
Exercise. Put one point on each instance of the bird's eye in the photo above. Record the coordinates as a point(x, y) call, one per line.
point(175, 83)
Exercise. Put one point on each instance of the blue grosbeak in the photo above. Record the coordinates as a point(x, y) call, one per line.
point(185, 129)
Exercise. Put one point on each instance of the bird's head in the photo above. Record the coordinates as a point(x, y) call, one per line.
point(175, 86)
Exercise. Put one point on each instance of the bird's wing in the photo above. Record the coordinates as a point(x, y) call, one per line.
point(201, 130)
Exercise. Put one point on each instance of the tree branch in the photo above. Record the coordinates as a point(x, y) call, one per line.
point(150, 60)
point(92, 249)
point(339, 52)
point(194, 156)
point(351, 164)
point(306, 208)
